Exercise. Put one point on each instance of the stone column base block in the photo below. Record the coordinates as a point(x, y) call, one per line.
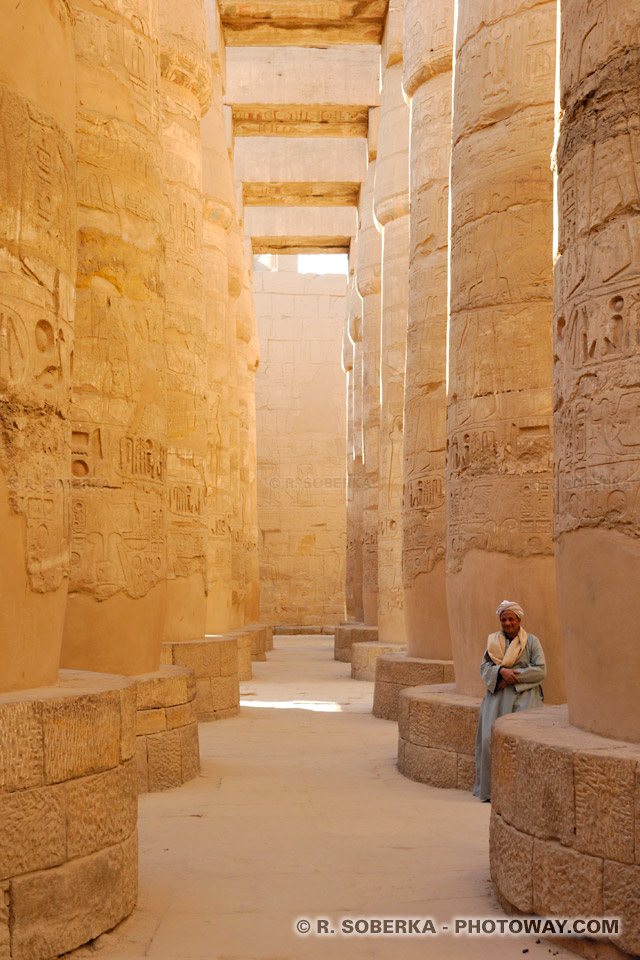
point(564, 827)
point(257, 637)
point(268, 635)
point(346, 634)
point(167, 747)
point(397, 672)
point(68, 812)
point(437, 736)
point(214, 661)
point(315, 630)
point(365, 655)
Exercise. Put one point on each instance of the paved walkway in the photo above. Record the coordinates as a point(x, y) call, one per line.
point(301, 813)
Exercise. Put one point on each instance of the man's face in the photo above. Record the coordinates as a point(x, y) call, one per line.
point(510, 624)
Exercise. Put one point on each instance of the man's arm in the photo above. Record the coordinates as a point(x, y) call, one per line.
point(490, 673)
point(536, 671)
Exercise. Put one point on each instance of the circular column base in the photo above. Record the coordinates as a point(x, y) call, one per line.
point(565, 814)
point(167, 747)
point(68, 812)
point(214, 661)
point(437, 735)
point(395, 672)
point(347, 634)
point(365, 655)
point(315, 630)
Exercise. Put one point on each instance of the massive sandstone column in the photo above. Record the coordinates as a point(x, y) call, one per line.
point(347, 366)
point(186, 90)
point(428, 44)
point(37, 276)
point(219, 206)
point(355, 336)
point(391, 208)
point(116, 603)
point(499, 444)
point(235, 264)
point(369, 284)
point(596, 377)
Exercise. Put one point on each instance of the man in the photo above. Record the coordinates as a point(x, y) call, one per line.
point(512, 669)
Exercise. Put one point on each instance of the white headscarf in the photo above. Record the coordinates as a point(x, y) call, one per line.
point(510, 605)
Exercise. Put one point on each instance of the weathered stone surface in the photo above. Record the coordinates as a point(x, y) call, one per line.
point(385, 699)
point(190, 751)
point(164, 754)
point(621, 892)
point(604, 804)
point(511, 860)
point(438, 768)
point(81, 735)
point(32, 830)
point(21, 745)
point(101, 810)
point(142, 765)
point(180, 716)
point(150, 721)
point(55, 910)
point(396, 673)
point(566, 882)
point(225, 692)
point(5, 933)
point(128, 705)
point(203, 657)
point(364, 656)
point(346, 634)
point(165, 688)
point(440, 717)
point(466, 772)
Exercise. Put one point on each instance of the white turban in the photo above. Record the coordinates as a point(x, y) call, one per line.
point(510, 605)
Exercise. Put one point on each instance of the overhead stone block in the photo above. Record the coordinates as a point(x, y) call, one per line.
point(316, 193)
point(299, 120)
point(304, 226)
point(300, 159)
point(303, 22)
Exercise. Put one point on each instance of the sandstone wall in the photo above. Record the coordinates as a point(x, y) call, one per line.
point(37, 278)
point(597, 441)
point(428, 46)
point(499, 444)
point(301, 429)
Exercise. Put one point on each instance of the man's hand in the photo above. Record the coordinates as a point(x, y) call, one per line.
point(509, 676)
point(500, 685)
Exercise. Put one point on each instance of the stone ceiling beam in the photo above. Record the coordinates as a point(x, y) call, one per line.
point(302, 22)
point(312, 194)
point(299, 120)
point(300, 222)
point(300, 160)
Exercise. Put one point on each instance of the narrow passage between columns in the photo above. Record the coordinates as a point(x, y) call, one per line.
point(300, 812)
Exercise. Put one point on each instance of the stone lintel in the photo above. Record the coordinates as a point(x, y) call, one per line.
point(365, 655)
point(303, 22)
point(572, 799)
point(299, 120)
point(312, 193)
point(291, 246)
point(346, 634)
point(397, 672)
point(436, 736)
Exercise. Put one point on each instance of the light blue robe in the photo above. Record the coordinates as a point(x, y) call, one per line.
point(523, 695)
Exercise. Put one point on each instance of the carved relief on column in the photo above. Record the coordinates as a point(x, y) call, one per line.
point(368, 284)
point(37, 279)
point(118, 511)
point(235, 262)
point(347, 366)
point(247, 360)
point(428, 50)
point(597, 331)
point(219, 204)
point(499, 443)
point(391, 208)
point(186, 91)
point(355, 336)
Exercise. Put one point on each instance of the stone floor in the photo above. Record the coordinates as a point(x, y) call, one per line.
point(300, 812)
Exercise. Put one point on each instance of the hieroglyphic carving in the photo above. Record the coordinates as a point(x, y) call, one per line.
point(299, 120)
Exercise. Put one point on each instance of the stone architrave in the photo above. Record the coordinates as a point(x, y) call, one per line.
point(499, 418)
point(116, 605)
point(219, 213)
point(185, 92)
point(428, 48)
point(369, 285)
point(391, 209)
point(347, 366)
point(37, 277)
point(597, 446)
point(355, 336)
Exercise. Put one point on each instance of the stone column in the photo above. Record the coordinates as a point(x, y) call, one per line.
point(116, 603)
point(499, 419)
point(355, 336)
point(347, 366)
point(369, 285)
point(596, 375)
point(428, 45)
point(219, 206)
point(235, 261)
point(37, 277)
point(186, 91)
point(391, 209)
